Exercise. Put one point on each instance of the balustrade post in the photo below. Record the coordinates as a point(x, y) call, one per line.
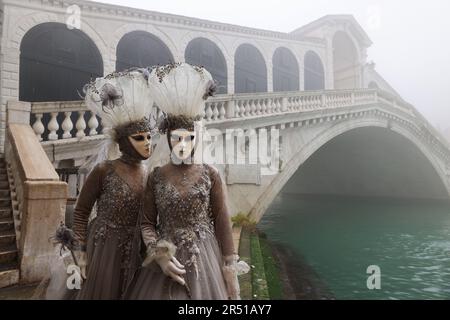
point(80, 125)
point(93, 124)
point(323, 100)
point(222, 112)
point(38, 126)
point(53, 126)
point(208, 112)
point(67, 125)
point(284, 102)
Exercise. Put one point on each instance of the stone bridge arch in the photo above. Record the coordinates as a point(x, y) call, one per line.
point(327, 135)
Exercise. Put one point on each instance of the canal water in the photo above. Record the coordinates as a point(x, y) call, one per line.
point(340, 237)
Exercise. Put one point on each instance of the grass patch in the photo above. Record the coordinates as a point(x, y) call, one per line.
point(242, 220)
point(259, 283)
point(263, 281)
point(245, 280)
point(271, 270)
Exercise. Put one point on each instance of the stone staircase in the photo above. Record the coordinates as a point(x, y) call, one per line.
point(9, 269)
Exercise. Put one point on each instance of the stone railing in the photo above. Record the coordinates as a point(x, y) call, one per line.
point(40, 195)
point(225, 107)
point(72, 120)
point(63, 116)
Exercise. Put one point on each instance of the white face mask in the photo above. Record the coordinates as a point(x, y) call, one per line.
point(141, 142)
point(182, 142)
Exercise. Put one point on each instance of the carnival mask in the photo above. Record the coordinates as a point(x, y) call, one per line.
point(142, 143)
point(183, 143)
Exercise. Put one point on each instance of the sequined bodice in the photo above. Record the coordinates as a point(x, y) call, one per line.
point(184, 214)
point(118, 205)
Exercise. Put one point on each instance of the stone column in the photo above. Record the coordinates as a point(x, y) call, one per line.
point(329, 67)
point(269, 76)
point(9, 78)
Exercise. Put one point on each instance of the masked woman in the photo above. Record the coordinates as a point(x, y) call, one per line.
point(186, 222)
point(108, 249)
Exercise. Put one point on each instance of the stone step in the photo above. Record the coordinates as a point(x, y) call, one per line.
point(5, 203)
point(8, 254)
point(3, 177)
point(5, 213)
point(6, 224)
point(9, 276)
point(3, 171)
point(5, 194)
point(4, 185)
point(9, 266)
point(7, 238)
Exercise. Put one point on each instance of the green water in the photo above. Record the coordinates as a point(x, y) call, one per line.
point(340, 237)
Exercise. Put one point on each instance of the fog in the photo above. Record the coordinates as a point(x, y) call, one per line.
point(410, 38)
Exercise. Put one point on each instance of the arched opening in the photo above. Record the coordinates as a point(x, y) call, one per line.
point(55, 63)
point(369, 161)
point(314, 72)
point(345, 62)
point(250, 71)
point(368, 197)
point(141, 49)
point(285, 71)
point(204, 52)
point(373, 85)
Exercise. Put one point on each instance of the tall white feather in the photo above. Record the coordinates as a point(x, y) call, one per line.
point(135, 103)
point(179, 88)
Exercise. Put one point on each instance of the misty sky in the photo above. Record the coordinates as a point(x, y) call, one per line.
point(411, 38)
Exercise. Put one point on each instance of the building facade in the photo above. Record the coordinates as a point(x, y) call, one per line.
point(50, 48)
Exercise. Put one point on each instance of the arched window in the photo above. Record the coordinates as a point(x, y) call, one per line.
point(314, 73)
point(285, 71)
point(204, 52)
point(250, 72)
point(345, 62)
point(55, 63)
point(373, 85)
point(141, 49)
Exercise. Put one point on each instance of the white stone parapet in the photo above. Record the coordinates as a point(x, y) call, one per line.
point(67, 118)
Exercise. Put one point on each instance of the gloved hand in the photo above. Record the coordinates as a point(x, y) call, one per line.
point(171, 267)
point(230, 273)
point(232, 283)
point(163, 253)
point(82, 262)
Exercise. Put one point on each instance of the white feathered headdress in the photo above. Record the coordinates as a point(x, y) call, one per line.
point(180, 89)
point(122, 100)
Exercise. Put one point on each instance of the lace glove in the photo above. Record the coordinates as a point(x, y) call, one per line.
point(81, 261)
point(164, 255)
point(231, 269)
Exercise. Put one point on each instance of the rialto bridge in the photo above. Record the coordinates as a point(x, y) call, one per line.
point(330, 122)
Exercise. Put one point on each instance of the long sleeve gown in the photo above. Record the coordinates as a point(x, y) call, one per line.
point(112, 239)
point(187, 206)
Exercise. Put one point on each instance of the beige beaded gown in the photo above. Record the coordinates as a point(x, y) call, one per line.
point(113, 237)
point(185, 204)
